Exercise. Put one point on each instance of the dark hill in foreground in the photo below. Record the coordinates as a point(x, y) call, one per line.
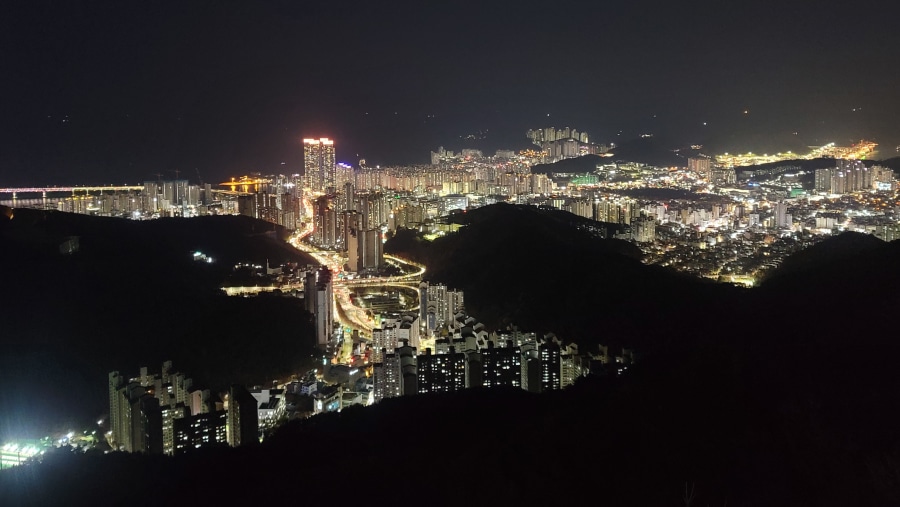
point(859, 265)
point(648, 151)
point(783, 395)
point(707, 421)
point(230, 239)
point(549, 270)
point(131, 296)
point(814, 344)
point(497, 447)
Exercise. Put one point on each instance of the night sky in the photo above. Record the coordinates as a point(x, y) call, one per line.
point(116, 92)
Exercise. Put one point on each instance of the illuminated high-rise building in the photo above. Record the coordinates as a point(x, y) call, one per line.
point(441, 373)
point(882, 178)
point(643, 229)
point(370, 250)
point(571, 367)
point(318, 163)
point(384, 338)
point(857, 175)
point(501, 366)
point(206, 429)
point(700, 165)
point(319, 298)
point(823, 180)
point(169, 416)
point(325, 226)
point(175, 192)
point(549, 354)
point(442, 304)
point(349, 223)
point(387, 376)
point(343, 174)
point(782, 218)
point(375, 208)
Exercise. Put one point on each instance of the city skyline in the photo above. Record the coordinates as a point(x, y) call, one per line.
point(119, 93)
point(640, 253)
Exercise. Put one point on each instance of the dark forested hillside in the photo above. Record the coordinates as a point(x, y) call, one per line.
point(131, 295)
point(549, 270)
point(781, 395)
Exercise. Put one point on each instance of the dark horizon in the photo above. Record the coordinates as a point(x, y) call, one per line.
point(111, 93)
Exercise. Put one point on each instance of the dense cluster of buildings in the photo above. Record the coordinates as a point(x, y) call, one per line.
point(724, 220)
point(319, 165)
point(463, 355)
point(318, 296)
point(720, 224)
point(156, 199)
point(728, 225)
point(351, 222)
point(441, 349)
point(850, 176)
point(558, 144)
point(162, 413)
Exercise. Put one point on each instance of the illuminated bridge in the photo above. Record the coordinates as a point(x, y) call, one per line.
point(44, 190)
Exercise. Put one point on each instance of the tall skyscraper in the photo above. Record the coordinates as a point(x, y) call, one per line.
point(201, 430)
point(571, 367)
point(823, 180)
point(423, 304)
point(371, 249)
point(782, 218)
point(384, 338)
point(241, 426)
point(146, 425)
point(441, 373)
point(319, 300)
point(116, 424)
point(643, 229)
point(442, 304)
point(318, 164)
point(387, 376)
point(501, 366)
point(349, 222)
point(408, 368)
point(325, 221)
point(699, 165)
point(549, 353)
point(169, 416)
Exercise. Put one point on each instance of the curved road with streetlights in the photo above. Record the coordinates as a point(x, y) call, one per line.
point(346, 313)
